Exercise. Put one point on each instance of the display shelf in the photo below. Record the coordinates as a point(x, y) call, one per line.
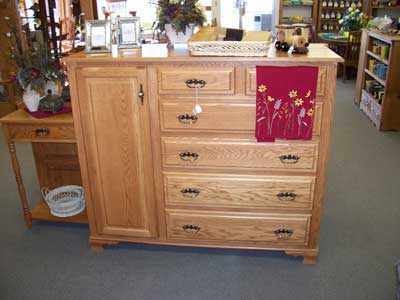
point(385, 116)
point(375, 77)
point(377, 57)
point(41, 212)
point(308, 11)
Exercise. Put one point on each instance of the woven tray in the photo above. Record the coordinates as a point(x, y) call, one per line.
point(228, 48)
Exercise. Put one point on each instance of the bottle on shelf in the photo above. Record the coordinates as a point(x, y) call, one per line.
point(330, 27)
point(325, 27)
point(342, 4)
point(324, 3)
point(338, 15)
point(336, 4)
point(359, 4)
point(322, 16)
point(333, 15)
point(337, 28)
point(330, 3)
point(347, 4)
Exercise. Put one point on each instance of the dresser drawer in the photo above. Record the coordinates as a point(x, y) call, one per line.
point(189, 225)
point(28, 132)
point(251, 81)
point(216, 117)
point(194, 190)
point(239, 153)
point(209, 80)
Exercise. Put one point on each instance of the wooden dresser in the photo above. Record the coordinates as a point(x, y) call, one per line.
point(155, 173)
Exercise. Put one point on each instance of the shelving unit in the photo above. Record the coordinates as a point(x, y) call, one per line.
point(377, 8)
point(327, 8)
point(308, 10)
point(377, 87)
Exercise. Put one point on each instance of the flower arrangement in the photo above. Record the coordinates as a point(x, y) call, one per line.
point(35, 66)
point(353, 19)
point(179, 13)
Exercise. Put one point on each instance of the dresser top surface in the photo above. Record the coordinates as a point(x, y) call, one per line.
point(318, 53)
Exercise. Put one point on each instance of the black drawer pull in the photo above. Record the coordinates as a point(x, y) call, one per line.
point(189, 228)
point(189, 156)
point(286, 196)
point(42, 131)
point(289, 159)
point(195, 83)
point(190, 193)
point(187, 119)
point(283, 233)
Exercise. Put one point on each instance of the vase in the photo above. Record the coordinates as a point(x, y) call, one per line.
point(31, 99)
point(180, 37)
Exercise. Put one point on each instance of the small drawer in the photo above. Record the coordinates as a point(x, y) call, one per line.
point(217, 117)
point(29, 132)
point(251, 81)
point(195, 190)
point(224, 226)
point(208, 80)
point(239, 153)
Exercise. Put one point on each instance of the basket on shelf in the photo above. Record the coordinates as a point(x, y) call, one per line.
point(229, 48)
point(65, 201)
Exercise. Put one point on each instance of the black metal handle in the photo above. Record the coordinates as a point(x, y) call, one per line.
point(189, 156)
point(283, 233)
point(187, 119)
point(190, 228)
point(42, 131)
point(289, 159)
point(195, 83)
point(190, 193)
point(286, 196)
point(141, 94)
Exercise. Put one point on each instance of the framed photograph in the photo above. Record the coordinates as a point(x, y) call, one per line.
point(129, 32)
point(98, 36)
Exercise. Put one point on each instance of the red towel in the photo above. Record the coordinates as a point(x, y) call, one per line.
point(44, 114)
point(285, 102)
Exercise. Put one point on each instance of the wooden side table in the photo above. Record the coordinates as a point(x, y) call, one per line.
point(54, 148)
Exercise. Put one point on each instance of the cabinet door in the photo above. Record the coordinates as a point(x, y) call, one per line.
point(116, 140)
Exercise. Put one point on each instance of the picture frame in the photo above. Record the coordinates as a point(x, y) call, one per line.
point(98, 36)
point(129, 32)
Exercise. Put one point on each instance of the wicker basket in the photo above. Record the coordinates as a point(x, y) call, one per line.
point(65, 201)
point(228, 48)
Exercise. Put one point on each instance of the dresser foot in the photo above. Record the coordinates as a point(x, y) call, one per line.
point(98, 247)
point(309, 257)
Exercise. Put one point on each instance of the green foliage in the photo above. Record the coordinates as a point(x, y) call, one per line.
point(179, 13)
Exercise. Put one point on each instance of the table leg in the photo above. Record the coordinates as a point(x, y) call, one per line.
point(20, 184)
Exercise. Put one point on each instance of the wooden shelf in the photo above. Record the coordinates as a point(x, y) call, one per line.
point(377, 57)
point(289, 4)
point(334, 8)
point(381, 81)
point(41, 212)
point(385, 7)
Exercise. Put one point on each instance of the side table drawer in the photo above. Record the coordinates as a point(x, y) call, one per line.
point(29, 132)
point(239, 153)
point(224, 190)
point(223, 226)
point(208, 80)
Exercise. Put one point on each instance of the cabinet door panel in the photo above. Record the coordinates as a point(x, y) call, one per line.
point(117, 144)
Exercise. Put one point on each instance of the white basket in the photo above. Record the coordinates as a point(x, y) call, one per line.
point(229, 48)
point(65, 201)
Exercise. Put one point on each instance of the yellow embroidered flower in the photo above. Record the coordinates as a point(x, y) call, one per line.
point(310, 112)
point(298, 102)
point(270, 99)
point(262, 88)
point(312, 101)
point(293, 94)
point(308, 94)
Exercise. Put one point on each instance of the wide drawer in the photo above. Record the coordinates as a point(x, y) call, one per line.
point(239, 153)
point(224, 226)
point(208, 80)
point(195, 190)
point(251, 81)
point(28, 132)
point(215, 117)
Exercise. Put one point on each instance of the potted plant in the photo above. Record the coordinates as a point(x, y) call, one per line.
point(178, 18)
point(36, 70)
point(353, 20)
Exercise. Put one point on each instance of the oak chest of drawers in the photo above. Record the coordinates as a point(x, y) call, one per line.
point(154, 172)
